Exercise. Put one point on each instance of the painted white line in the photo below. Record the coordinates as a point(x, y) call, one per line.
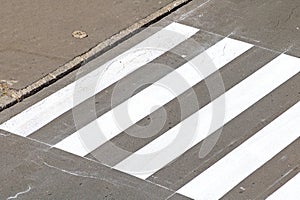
point(221, 177)
point(158, 94)
point(155, 156)
point(289, 191)
point(43, 112)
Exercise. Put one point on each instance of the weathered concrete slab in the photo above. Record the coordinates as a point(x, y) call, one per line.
point(36, 36)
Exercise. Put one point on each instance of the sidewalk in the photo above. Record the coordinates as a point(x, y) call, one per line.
point(36, 40)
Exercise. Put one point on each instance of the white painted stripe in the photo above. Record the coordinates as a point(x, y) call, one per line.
point(221, 177)
point(155, 156)
point(89, 137)
point(289, 191)
point(60, 102)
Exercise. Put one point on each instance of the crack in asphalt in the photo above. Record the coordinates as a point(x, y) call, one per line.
point(20, 193)
point(291, 14)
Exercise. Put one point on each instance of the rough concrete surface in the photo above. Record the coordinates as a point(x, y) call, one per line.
point(39, 45)
point(36, 36)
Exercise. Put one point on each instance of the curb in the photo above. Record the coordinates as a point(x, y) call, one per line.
point(12, 96)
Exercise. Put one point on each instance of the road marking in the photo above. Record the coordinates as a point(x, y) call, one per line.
point(155, 95)
point(221, 177)
point(43, 112)
point(290, 190)
point(238, 99)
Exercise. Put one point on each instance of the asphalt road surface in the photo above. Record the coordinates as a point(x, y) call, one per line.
point(203, 104)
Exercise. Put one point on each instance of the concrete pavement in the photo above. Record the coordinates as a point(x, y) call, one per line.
point(37, 46)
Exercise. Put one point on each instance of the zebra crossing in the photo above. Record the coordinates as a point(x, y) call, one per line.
point(60, 102)
point(238, 99)
point(148, 98)
point(153, 154)
point(245, 159)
